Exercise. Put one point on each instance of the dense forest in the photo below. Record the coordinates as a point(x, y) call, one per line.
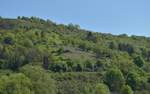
point(42, 57)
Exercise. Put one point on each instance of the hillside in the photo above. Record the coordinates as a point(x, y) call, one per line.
point(41, 57)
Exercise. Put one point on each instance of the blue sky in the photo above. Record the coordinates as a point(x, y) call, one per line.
point(107, 16)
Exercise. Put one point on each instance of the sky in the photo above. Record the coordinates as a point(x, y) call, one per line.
point(130, 17)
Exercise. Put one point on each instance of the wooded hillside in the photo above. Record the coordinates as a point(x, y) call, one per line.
point(41, 57)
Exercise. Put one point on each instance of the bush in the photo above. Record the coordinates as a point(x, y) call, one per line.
point(41, 81)
point(139, 61)
point(102, 89)
point(126, 89)
point(136, 81)
point(16, 84)
point(114, 79)
point(9, 39)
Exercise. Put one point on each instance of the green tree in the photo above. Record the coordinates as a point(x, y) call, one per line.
point(90, 36)
point(115, 79)
point(58, 67)
point(72, 26)
point(126, 89)
point(18, 17)
point(9, 39)
point(127, 47)
point(89, 66)
point(139, 61)
point(79, 67)
point(102, 89)
point(136, 81)
point(88, 90)
point(113, 45)
point(46, 62)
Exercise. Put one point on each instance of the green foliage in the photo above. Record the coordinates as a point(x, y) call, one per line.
point(126, 47)
point(72, 26)
point(113, 45)
point(139, 61)
point(16, 84)
point(76, 82)
point(126, 90)
point(41, 81)
point(33, 49)
point(9, 39)
point(102, 89)
point(88, 90)
point(136, 81)
point(115, 79)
